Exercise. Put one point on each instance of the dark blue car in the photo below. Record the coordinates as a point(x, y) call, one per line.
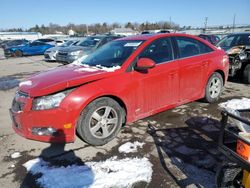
point(33, 48)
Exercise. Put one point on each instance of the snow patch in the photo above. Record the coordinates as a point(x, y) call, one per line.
point(108, 69)
point(86, 69)
point(27, 83)
point(79, 60)
point(235, 104)
point(109, 173)
point(130, 147)
point(15, 155)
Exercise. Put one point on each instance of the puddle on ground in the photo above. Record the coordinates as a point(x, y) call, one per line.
point(8, 82)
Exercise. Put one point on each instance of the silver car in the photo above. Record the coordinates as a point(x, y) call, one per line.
point(50, 54)
point(83, 48)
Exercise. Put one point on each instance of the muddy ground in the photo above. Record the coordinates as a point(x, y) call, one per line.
point(183, 151)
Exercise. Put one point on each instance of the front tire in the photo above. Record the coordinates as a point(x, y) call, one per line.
point(18, 53)
point(246, 74)
point(214, 88)
point(100, 121)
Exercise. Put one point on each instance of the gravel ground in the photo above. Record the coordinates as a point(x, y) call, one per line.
point(183, 150)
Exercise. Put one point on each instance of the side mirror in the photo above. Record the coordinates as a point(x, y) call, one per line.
point(144, 64)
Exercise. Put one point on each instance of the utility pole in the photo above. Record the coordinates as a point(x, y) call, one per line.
point(87, 28)
point(205, 24)
point(170, 22)
point(234, 22)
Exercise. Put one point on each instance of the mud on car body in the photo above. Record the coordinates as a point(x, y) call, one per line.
point(123, 81)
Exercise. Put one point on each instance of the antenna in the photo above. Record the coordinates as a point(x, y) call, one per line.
point(205, 24)
point(234, 22)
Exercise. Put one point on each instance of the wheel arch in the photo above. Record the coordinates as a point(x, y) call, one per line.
point(18, 50)
point(222, 75)
point(120, 102)
point(115, 98)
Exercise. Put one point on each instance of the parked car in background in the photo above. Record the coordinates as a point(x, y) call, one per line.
point(237, 47)
point(213, 39)
point(154, 31)
point(33, 48)
point(47, 40)
point(123, 81)
point(83, 48)
point(13, 43)
point(2, 42)
point(50, 54)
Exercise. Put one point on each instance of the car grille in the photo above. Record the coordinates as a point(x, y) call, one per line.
point(17, 105)
point(63, 53)
point(46, 55)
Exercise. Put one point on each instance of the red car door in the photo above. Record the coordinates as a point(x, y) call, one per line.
point(159, 86)
point(193, 67)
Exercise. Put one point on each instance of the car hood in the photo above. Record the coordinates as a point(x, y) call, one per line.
point(56, 48)
point(75, 48)
point(60, 78)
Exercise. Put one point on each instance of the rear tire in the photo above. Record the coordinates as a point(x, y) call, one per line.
point(18, 53)
point(100, 121)
point(213, 88)
point(246, 74)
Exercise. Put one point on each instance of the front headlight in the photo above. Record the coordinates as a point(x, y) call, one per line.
point(76, 52)
point(49, 101)
point(242, 56)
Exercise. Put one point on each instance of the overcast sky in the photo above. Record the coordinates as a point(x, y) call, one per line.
point(27, 13)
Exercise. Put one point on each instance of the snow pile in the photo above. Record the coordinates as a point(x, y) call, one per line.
point(235, 104)
point(27, 83)
point(15, 155)
point(108, 69)
point(109, 173)
point(87, 68)
point(130, 147)
point(79, 60)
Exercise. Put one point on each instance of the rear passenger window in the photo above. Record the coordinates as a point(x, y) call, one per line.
point(159, 51)
point(191, 47)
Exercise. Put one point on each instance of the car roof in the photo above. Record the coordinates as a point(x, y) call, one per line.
point(243, 33)
point(155, 36)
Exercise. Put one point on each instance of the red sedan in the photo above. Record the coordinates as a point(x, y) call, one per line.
point(125, 80)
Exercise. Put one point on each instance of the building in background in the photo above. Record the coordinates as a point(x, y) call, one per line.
point(20, 35)
point(123, 31)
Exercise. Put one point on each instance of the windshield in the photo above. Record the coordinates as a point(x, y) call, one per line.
point(89, 42)
point(68, 43)
point(235, 40)
point(113, 53)
point(226, 41)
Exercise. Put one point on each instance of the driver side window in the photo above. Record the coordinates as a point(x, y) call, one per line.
point(159, 51)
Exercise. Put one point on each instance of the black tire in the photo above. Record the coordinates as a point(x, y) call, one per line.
point(246, 74)
point(18, 53)
point(97, 117)
point(215, 81)
point(229, 175)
